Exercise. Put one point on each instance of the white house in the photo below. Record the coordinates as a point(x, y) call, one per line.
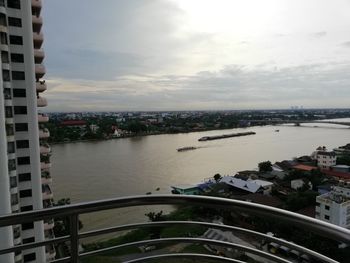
point(325, 159)
point(334, 206)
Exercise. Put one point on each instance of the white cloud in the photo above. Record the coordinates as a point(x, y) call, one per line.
point(175, 54)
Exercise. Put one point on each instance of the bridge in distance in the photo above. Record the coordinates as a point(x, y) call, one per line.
point(298, 122)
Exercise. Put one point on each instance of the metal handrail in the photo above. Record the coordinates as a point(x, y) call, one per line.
point(209, 225)
point(184, 255)
point(73, 212)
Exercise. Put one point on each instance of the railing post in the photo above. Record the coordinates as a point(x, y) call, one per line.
point(74, 239)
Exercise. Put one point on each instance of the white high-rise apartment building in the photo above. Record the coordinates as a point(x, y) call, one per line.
point(24, 154)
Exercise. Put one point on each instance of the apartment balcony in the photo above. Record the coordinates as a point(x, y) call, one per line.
point(3, 28)
point(254, 248)
point(47, 194)
point(44, 133)
point(36, 4)
point(46, 177)
point(49, 234)
point(41, 102)
point(43, 118)
point(38, 39)
point(39, 71)
point(49, 224)
point(18, 257)
point(45, 149)
point(41, 86)
point(37, 21)
point(50, 252)
point(39, 55)
point(45, 166)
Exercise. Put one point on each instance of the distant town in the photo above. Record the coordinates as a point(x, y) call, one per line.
point(78, 126)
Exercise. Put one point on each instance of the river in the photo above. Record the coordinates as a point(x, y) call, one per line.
point(88, 171)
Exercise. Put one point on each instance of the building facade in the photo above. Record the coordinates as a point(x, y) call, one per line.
point(24, 154)
point(334, 206)
point(325, 159)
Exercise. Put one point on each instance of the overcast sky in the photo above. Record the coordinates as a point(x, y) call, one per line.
point(196, 54)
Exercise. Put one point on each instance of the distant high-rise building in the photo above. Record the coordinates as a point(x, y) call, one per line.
point(24, 154)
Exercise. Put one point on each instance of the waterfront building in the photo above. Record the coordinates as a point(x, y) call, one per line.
point(325, 159)
point(24, 154)
point(186, 189)
point(251, 186)
point(334, 206)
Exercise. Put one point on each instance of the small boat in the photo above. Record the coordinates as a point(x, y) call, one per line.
point(188, 148)
point(277, 130)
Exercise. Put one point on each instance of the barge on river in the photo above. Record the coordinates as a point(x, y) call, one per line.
point(224, 136)
point(186, 148)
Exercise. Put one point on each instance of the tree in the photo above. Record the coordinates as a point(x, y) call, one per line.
point(155, 217)
point(265, 166)
point(217, 177)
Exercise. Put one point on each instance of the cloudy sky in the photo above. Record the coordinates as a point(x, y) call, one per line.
point(196, 54)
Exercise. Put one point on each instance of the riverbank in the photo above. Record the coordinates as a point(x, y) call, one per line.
point(146, 134)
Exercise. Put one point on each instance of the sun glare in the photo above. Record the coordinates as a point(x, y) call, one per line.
point(248, 17)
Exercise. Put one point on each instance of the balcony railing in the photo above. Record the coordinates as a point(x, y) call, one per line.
point(39, 55)
point(39, 71)
point(44, 133)
point(41, 86)
point(36, 3)
point(43, 118)
point(41, 101)
point(74, 211)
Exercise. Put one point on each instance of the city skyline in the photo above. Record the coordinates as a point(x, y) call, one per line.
point(197, 55)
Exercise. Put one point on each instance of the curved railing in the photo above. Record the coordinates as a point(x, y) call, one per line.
point(73, 211)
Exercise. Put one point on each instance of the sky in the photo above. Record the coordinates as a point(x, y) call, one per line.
point(145, 55)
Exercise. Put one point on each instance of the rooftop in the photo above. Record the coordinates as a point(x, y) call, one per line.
point(304, 167)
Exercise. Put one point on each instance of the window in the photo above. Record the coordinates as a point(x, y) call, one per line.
point(5, 57)
point(9, 130)
point(16, 40)
point(12, 164)
point(7, 93)
point(10, 147)
point(22, 144)
point(327, 207)
point(14, 21)
point(6, 75)
point(26, 226)
point(8, 112)
point(326, 217)
point(16, 4)
point(24, 177)
point(13, 182)
point(14, 199)
point(21, 127)
point(26, 208)
point(2, 2)
point(29, 257)
point(17, 58)
point(3, 19)
point(25, 193)
point(28, 240)
point(20, 110)
point(3, 38)
point(23, 160)
point(317, 204)
point(19, 93)
point(18, 75)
